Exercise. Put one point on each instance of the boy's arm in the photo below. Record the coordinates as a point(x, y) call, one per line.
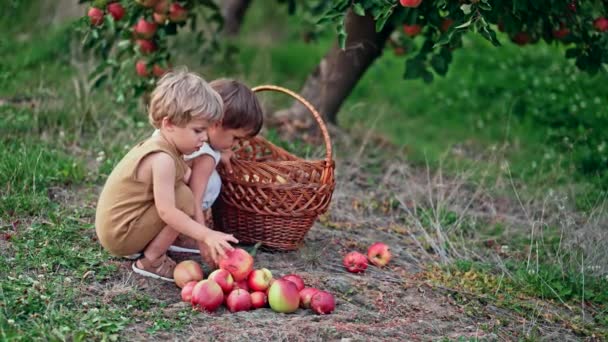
point(202, 167)
point(163, 183)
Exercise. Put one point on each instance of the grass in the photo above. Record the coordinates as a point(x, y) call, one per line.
point(59, 142)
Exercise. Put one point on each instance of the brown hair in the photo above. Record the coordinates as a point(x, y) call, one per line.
point(183, 96)
point(242, 110)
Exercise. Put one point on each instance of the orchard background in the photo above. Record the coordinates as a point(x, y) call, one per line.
point(470, 136)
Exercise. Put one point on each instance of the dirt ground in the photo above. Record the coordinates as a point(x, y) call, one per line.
point(390, 304)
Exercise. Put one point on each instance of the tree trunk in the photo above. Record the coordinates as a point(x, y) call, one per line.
point(233, 12)
point(330, 83)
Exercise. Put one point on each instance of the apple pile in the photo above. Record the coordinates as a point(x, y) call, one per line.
point(379, 254)
point(240, 287)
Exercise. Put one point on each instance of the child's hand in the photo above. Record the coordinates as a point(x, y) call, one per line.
point(217, 243)
point(225, 159)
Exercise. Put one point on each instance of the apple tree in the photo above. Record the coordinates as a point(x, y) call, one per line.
point(131, 36)
point(427, 33)
point(131, 39)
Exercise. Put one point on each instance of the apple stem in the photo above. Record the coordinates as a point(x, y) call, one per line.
point(255, 248)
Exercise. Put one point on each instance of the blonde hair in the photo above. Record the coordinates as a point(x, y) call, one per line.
point(182, 96)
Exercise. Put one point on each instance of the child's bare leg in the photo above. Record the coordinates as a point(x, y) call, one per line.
point(156, 263)
point(160, 244)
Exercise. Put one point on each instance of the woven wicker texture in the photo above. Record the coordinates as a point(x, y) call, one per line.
point(272, 196)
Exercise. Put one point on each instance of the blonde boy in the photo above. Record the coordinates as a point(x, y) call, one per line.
point(146, 202)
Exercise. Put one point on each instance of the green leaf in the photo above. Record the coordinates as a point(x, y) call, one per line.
point(466, 8)
point(358, 9)
point(439, 64)
point(341, 35)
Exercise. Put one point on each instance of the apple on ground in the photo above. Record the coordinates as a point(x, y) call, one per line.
point(116, 11)
point(355, 262)
point(259, 280)
point(410, 3)
point(238, 262)
point(187, 291)
point(379, 254)
point(223, 278)
point(207, 295)
point(306, 295)
point(283, 296)
point(177, 13)
point(296, 279)
point(259, 300)
point(95, 16)
point(187, 271)
point(322, 303)
point(241, 284)
point(238, 300)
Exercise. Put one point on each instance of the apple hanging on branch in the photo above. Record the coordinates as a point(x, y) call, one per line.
point(132, 39)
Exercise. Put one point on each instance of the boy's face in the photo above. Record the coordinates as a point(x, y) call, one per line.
point(190, 138)
point(223, 138)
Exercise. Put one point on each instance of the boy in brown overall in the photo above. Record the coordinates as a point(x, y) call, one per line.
point(146, 202)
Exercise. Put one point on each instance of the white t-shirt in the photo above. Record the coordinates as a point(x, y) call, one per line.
point(214, 185)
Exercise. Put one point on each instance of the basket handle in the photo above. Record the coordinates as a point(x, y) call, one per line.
point(315, 114)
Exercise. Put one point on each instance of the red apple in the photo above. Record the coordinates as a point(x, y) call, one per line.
point(411, 30)
point(322, 303)
point(601, 24)
point(159, 18)
point(187, 271)
point(146, 46)
point(223, 278)
point(158, 71)
point(379, 254)
point(259, 280)
point(446, 24)
point(141, 68)
point(147, 3)
point(162, 6)
point(187, 291)
point(145, 29)
point(238, 262)
point(258, 300)
point(399, 51)
point(410, 3)
point(241, 284)
point(95, 16)
point(306, 295)
point(355, 262)
point(238, 300)
point(207, 295)
point(116, 11)
point(560, 33)
point(521, 38)
point(296, 279)
point(177, 13)
point(283, 296)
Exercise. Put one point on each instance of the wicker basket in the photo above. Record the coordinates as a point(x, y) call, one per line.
point(272, 196)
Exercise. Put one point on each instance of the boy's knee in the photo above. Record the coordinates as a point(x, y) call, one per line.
point(184, 199)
